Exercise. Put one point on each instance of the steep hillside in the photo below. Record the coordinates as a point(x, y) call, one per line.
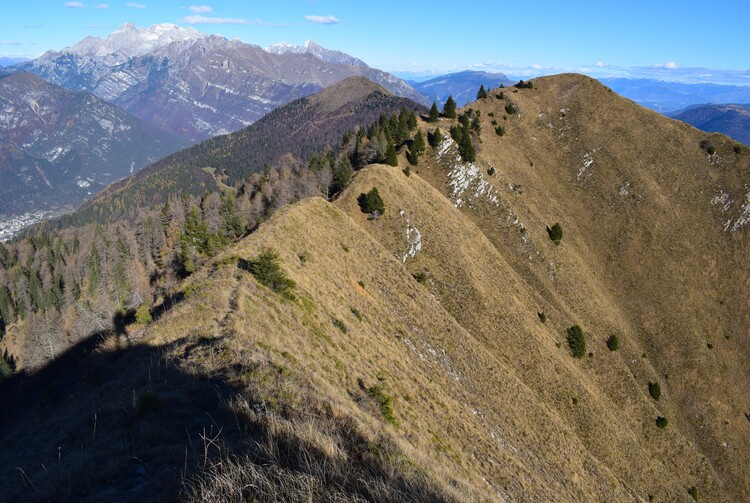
point(461, 85)
point(59, 146)
point(425, 354)
point(731, 120)
point(299, 129)
point(193, 85)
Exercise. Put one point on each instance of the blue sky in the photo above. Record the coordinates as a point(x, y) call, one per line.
point(672, 39)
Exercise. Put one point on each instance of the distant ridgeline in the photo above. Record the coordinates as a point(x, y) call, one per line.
point(130, 247)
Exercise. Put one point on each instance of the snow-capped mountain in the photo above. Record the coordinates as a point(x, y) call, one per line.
point(198, 86)
point(320, 52)
point(58, 146)
point(130, 41)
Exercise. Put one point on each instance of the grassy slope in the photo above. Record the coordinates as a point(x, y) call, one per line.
point(483, 395)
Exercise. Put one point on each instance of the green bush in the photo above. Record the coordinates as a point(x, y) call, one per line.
point(371, 202)
point(576, 341)
point(143, 315)
point(542, 316)
point(654, 390)
point(421, 277)
point(385, 402)
point(613, 343)
point(500, 130)
point(662, 422)
point(511, 109)
point(340, 325)
point(267, 270)
point(737, 149)
point(555, 233)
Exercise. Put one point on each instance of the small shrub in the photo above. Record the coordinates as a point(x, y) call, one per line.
point(555, 233)
point(662, 422)
point(576, 341)
point(357, 314)
point(575, 400)
point(302, 257)
point(340, 325)
point(500, 130)
point(654, 390)
point(491, 171)
point(421, 277)
point(143, 315)
point(612, 343)
point(542, 316)
point(267, 270)
point(384, 401)
point(361, 284)
point(693, 492)
point(711, 150)
point(510, 109)
point(709, 345)
point(371, 202)
point(500, 96)
point(737, 149)
point(407, 171)
point(525, 85)
point(7, 365)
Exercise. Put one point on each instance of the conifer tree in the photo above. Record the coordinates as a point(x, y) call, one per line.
point(341, 175)
point(6, 304)
point(94, 270)
point(418, 144)
point(435, 138)
point(391, 158)
point(412, 157)
point(482, 93)
point(449, 109)
point(466, 146)
point(434, 114)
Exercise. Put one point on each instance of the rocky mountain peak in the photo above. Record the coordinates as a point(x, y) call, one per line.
point(131, 41)
point(317, 50)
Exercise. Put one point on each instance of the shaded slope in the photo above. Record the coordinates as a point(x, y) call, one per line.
point(731, 120)
point(59, 146)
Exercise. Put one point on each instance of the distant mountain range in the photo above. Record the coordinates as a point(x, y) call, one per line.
point(11, 61)
point(668, 97)
point(198, 86)
point(310, 47)
point(59, 146)
point(463, 86)
point(731, 120)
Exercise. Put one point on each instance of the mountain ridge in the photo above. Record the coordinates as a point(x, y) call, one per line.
point(192, 85)
point(438, 331)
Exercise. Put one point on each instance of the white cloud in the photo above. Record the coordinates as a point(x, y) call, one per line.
point(135, 5)
point(536, 67)
point(7, 42)
point(323, 19)
point(600, 64)
point(200, 9)
point(75, 5)
point(102, 6)
point(198, 19)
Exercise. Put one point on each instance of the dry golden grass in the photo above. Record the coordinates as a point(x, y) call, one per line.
point(488, 403)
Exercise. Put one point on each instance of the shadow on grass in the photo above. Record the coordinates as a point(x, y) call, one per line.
point(105, 424)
